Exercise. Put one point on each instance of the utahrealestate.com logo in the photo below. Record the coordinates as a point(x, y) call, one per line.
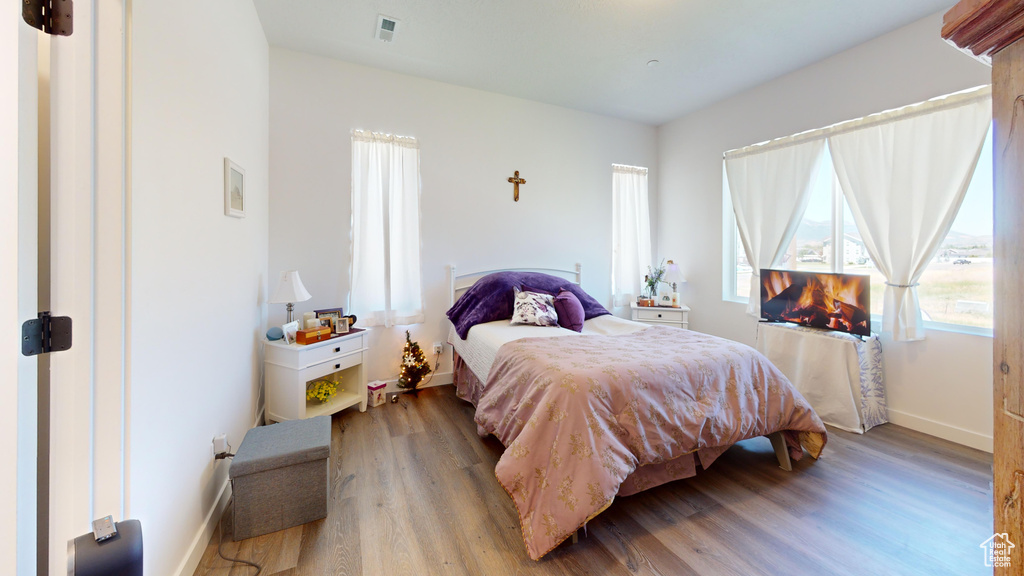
point(997, 550)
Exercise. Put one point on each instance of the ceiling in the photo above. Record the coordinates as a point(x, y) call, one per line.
point(592, 55)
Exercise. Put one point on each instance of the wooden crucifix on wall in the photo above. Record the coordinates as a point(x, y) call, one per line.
point(516, 181)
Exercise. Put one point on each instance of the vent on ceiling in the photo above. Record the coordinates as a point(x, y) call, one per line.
point(386, 27)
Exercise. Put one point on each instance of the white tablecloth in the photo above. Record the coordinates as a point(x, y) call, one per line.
point(838, 373)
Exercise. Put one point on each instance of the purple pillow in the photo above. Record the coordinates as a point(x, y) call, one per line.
point(570, 311)
point(491, 298)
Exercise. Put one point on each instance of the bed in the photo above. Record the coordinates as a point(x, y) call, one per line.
point(606, 407)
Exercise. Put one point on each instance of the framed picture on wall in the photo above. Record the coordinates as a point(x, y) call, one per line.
point(234, 189)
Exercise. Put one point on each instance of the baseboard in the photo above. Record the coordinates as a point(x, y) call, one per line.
point(940, 430)
point(199, 543)
point(205, 533)
point(439, 379)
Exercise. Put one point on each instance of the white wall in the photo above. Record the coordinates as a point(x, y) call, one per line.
point(200, 77)
point(470, 143)
point(942, 386)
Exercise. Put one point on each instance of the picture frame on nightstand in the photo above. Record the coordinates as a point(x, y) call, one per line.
point(341, 325)
point(330, 312)
point(290, 330)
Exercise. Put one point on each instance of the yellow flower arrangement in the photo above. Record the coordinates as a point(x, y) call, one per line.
point(321, 390)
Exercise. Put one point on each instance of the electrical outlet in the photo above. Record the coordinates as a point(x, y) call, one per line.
point(220, 444)
point(438, 348)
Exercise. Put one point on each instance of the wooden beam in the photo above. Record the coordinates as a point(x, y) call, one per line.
point(1008, 345)
point(992, 29)
point(984, 27)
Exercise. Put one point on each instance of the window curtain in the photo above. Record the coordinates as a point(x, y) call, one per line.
point(904, 176)
point(631, 232)
point(769, 191)
point(386, 281)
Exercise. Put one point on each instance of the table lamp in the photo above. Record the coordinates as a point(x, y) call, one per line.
point(673, 276)
point(290, 290)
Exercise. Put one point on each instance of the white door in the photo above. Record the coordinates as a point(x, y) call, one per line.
point(87, 143)
point(88, 267)
point(18, 205)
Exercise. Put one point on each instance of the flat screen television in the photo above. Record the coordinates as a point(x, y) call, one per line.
point(819, 299)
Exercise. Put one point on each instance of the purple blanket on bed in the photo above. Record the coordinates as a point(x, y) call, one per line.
point(491, 298)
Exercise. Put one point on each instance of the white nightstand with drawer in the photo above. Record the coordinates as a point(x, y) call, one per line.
point(661, 315)
point(290, 366)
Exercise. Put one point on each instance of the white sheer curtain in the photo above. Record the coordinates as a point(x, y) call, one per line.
point(769, 193)
point(631, 232)
point(904, 176)
point(386, 282)
point(404, 218)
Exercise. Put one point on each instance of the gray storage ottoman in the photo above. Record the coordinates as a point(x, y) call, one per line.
point(279, 476)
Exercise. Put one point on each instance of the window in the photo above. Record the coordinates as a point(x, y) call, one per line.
point(956, 290)
point(386, 283)
point(631, 232)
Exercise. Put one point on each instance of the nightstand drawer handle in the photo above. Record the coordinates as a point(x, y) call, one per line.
point(659, 315)
point(338, 349)
point(337, 366)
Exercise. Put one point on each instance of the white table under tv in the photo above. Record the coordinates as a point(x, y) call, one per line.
point(839, 374)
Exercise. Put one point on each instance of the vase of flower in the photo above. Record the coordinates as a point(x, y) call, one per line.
point(655, 277)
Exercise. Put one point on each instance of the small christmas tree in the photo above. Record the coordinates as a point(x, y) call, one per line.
point(414, 364)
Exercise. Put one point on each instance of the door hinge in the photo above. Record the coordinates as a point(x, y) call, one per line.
point(51, 16)
point(45, 334)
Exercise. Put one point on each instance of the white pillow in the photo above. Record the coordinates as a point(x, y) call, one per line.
point(534, 308)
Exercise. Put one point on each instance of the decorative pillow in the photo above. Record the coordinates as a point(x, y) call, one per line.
point(491, 298)
point(534, 308)
point(570, 311)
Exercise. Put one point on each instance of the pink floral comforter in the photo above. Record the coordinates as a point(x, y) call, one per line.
point(586, 418)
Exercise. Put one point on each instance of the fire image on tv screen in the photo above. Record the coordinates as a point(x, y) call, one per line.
point(819, 299)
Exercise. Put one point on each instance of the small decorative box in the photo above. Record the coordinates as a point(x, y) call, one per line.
point(375, 390)
point(312, 335)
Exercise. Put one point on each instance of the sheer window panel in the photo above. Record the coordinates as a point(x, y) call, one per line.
point(631, 232)
point(905, 174)
point(386, 284)
point(957, 286)
point(770, 190)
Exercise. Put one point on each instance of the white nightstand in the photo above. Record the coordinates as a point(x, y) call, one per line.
point(661, 315)
point(290, 366)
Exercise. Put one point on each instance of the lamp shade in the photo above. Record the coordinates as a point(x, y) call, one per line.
point(673, 274)
point(290, 289)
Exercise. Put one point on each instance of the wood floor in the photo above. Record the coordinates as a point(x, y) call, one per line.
point(413, 492)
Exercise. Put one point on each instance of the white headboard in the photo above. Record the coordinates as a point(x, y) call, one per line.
point(459, 283)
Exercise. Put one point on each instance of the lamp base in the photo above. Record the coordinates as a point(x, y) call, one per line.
point(290, 308)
